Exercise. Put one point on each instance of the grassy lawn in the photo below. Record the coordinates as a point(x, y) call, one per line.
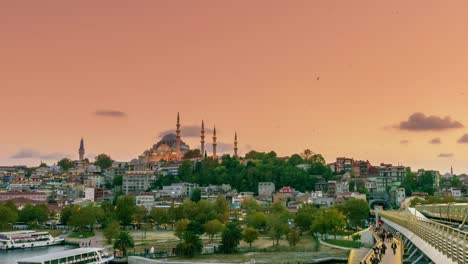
point(343, 243)
point(81, 234)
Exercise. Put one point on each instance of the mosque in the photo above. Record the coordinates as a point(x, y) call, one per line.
point(172, 148)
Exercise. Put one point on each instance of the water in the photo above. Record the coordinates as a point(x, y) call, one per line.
point(12, 256)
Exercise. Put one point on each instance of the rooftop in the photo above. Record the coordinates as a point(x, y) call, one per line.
point(58, 255)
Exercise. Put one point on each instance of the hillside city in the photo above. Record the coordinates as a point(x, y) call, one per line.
point(210, 202)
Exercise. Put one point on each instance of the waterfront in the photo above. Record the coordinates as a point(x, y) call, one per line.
point(12, 256)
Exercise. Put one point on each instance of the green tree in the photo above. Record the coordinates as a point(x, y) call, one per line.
point(124, 242)
point(66, 164)
point(293, 237)
point(257, 220)
point(180, 226)
point(329, 220)
point(139, 214)
point(278, 228)
point(305, 217)
point(117, 180)
point(192, 154)
point(86, 217)
point(34, 214)
point(125, 209)
point(159, 216)
point(111, 231)
point(356, 211)
point(103, 161)
point(213, 227)
point(191, 244)
point(250, 235)
point(196, 195)
point(8, 215)
point(231, 237)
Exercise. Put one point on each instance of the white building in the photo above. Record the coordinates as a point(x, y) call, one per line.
point(266, 188)
point(146, 200)
point(182, 189)
point(89, 194)
point(137, 181)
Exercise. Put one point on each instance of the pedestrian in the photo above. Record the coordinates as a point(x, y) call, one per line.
point(394, 247)
point(383, 249)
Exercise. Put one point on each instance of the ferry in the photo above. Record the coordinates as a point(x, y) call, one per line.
point(78, 256)
point(27, 239)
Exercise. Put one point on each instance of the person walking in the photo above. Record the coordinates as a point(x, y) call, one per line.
point(383, 249)
point(394, 247)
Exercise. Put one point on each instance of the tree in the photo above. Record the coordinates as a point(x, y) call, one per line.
point(125, 209)
point(356, 211)
point(139, 214)
point(117, 180)
point(191, 244)
point(66, 164)
point(250, 235)
point(213, 227)
point(231, 237)
point(159, 216)
point(8, 215)
point(124, 242)
point(329, 220)
point(257, 220)
point(180, 226)
point(111, 231)
point(196, 195)
point(85, 217)
point(103, 161)
point(250, 205)
point(34, 213)
point(305, 217)
point(293, 237)
point(192, 154)
point(278, 228)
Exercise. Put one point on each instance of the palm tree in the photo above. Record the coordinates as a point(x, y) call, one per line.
point(124, 241)
point(191, 244)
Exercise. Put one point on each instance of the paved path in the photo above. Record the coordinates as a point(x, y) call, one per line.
point(389, 257)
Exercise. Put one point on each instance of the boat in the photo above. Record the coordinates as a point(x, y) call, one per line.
point(78, 255)
point(27, 239)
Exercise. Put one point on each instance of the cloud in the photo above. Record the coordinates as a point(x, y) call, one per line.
point(445, 155)
point(435, 141)
point(189, 131)
point(421, 122)
point(110, 113)
point(404, 142)
point(463, 139)
point(26, 154)
point(34, 154)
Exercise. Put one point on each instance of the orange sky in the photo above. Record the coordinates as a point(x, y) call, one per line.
point(250, 66)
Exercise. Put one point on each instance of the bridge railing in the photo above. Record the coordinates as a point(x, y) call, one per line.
point(449, 241)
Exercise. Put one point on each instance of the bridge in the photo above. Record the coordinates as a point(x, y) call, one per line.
point(425, 240)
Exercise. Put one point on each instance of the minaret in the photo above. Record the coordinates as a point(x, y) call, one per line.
point(451, 171)
point(178, 137)
point(202, 147)
point(81, 151)
point(235, 145)
point(214, 143)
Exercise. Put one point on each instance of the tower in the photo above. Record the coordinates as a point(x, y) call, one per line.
point(178, 137)
point(235, 145)
point(202, 147)
point(81, 151)
point(214, 143)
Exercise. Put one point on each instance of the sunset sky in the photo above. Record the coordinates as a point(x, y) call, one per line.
point(384, 81)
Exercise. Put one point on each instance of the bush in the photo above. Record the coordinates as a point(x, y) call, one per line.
point(356, 237)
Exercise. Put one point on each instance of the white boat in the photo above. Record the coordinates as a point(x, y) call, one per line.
point(78, 255)
point(27, 239)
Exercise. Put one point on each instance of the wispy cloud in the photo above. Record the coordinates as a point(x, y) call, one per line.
point(110, 113)
point(34, 154)
point(404, 142)
point(463, 139)
point(435, 141)
point(445, 155)
point(421, 122)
